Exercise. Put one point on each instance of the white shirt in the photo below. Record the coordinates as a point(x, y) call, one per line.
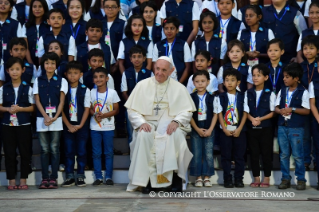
point(121, 53)
point(308, 2)
point(71, 50)
point(300, 40)
point(72, 109)
point(311, 91)
point(272, 99)
point(253, 37)
point(106, 124)
point(213, 6)
point(195, 12)
point(57, 125)
point(221, 71)
point(211, 88)
point(305, 99)
point(21, 32)
point(150, 28)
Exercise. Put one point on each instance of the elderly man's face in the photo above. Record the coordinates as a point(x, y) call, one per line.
point(162, 70)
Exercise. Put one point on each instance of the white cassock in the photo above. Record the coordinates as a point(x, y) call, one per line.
point(155, 155)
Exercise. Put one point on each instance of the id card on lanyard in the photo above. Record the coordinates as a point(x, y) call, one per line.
point(107, 38)
point(73, 107)
point(202, 115)
point(231, 126)
point(4, 47)
point(275, 80)
point(288, 100)
point(252, 47)
point(13, 117)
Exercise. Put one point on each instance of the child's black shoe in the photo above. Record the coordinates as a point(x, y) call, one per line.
point(228, 184)
point(44, 184)
point(98, 182)
point(80, 182)
point(109, 182)
point(68, 183)
point(239, 184)
point(284, 184)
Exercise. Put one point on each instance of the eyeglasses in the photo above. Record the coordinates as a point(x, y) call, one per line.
point(5, 3)
point(110, 8)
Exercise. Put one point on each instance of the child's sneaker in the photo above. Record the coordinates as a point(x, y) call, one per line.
point(199, 183)
point(68, 183)
point(207, 183)
point(284, 184)
point(301, 185)
point(109, 182)
point(98, 182)
point(44, 184)
point(80, 182)
point(53, 184)
point(61, 167)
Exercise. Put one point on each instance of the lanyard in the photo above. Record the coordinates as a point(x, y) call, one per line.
point(75, 103)
point(201, 101)
point(171, 47)
point(77, 31)
point(286, 9)
point(222, 26)
point(313, 70)
point(252, 44)
point(258, 100)
point(216, 9)
point(97, 99)
point(274, 82)
point(232, 112)
point(288, 99)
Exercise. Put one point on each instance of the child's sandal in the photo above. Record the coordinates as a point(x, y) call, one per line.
point(254, 185)
point(23, 187)
point(264, 185)
point(207, 183)
point(11, 188)
point(199, 183)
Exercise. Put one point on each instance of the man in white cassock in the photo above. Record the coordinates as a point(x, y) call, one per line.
point(160, 110)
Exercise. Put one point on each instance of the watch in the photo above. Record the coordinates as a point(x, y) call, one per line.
point(293, 109)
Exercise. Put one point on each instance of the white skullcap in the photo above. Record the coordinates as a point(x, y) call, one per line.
point(167, 59)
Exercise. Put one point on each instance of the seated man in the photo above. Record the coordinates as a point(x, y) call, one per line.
point(160, 110)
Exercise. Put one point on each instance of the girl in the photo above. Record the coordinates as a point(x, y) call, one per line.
point(174, 48)
point(49, 91)
point(16, 103)
point(155, 30)
point(212, 5)
point(255, 37)
point(209, 41)
point(202, 63)
point(202, 136)
point(97, 11)
point(287, 23)
point(236, 58)
point(313, 30)
point(242, 11)
point(36, 27)
point(136, 33)
point(188, 14)
point(75, 26)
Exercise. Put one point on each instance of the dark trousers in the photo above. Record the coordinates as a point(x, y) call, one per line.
point(227, 143)
point(315, 136)
point(17, 137)
point(260, 142)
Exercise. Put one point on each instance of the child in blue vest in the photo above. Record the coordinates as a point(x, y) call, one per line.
point(232, 110)
point(287, 23)
point(255, 37)
point(202, 135)
point(175, 48)
point(76, 124)
point(56, 21)
point(209, 41)
point(49, 92)
point(104, 106)
point(242, 11)
point(261, 103)
point(18, 48)
point(136, 33)
point(292, 106)
point(16, 103)
point(212, 5)
point(94, 31)
point(236, 58)
point(131, 77)
point(187, 11)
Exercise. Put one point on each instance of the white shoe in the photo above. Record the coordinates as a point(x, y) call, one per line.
point(61, 167)
point(207, 183)
point(199, 183)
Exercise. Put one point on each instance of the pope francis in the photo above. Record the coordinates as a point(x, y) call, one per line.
point(160, 110)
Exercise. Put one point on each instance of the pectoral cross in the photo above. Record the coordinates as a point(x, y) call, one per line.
point(157, 108)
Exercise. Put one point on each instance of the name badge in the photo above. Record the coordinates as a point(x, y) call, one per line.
point(257, 128)
point(4, 46)
point(107, 39)
point(13, 117)
point(231, 127)
point(253, 62)
point(181, 27)
point(201, 114)
point(50, 110)
point(73, 117)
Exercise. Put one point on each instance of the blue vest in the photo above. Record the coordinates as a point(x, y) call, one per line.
point(80, 26)
point(8, 96)
point(116, 34)
point(232, 28)
point(20, 7)
point(296, 120)
point(82, 55)
point(49, 90)
point(136, 10)
point(307, 32)
point(156, 33)
point(32, 38)
point(88, 79)
point(80, 96)
point(177, 53)
point(131, 77)
point(316, 91)
point(209, 100)
point(62, 37)
point(60, 5)
point(8, 30)
point(243, 69)
point(223, 98)
point(184, 12)
point(98, 15)
point(263, 106)
point(243, 12)
point(284, 29)
point(310, 70)
point(301, 9)
point(279, 75)
point(128, 44)
point(213, 48)
point(26, 76)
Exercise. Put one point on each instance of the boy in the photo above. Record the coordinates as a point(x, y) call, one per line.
point(131, 77)
point(94, 31)
point(76, 126)
point(232, 110)
point(18, 48)
point(292, 105)
point(95, 60)
point(104, 106)
point(56, 21)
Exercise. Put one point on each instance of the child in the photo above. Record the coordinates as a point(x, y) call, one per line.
point(202, 63)
point(95, 60)
point(292, 105)
point(287, 23)
point(18, 48)
point(75, 118)
point(242, 11)
point(275, 49)
point(104, 106)
point(97, 12)
point(209, 41)
point(56, 20)
point(236, 58)
point(94, 31)
point(188, 14)
point(16, 103)
point(136, 33)
point(36, 27)
point(232, 112)
point(202, 135)
point(255, 37)
point(212, 5)
point(174, 48)
point(49, 90)
point(261, 103)
point(131, 77)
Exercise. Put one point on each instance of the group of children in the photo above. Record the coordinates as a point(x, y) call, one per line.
point(74, 73)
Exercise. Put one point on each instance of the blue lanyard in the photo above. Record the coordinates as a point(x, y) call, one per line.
point(252, 44)
point(171, 47)
point(77, 31)
point(223, 25)
point(288, 99)
point(274, 82)
point(201, 100)
point(74, 97)
point(234, 103)
point(216, 9)
point(286, 9)
point(258, 100)
point(97, 99)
